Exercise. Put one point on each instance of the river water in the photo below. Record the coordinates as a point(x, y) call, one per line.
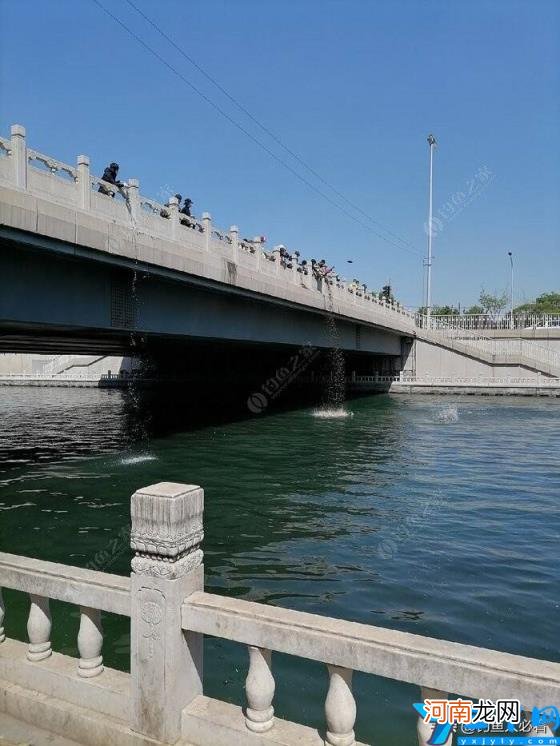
point(437, 516)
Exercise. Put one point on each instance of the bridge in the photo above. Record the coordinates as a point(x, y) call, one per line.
point(88, 272)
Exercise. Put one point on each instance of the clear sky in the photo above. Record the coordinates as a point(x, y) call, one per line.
point(353, 87)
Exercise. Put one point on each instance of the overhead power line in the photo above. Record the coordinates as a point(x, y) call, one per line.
point(246, 132)
point(262, 126)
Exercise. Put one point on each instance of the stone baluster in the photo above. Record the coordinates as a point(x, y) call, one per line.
point(18, 150)
point(259, 688)
point(166, 663)
point(90, 642)
point(39, 629)
point(425, 730)
point(234, 235)
point(84, 182)
point(207, 223)
point(2, 615)
point(174, 216)
point(340, 707)
point(133, 199)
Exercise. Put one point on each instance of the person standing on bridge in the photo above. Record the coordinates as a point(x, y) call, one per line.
point(186, 209)
point(110, 176)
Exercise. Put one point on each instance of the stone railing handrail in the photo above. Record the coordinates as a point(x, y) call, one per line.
point(50, 376)
point(145, 214)
point(76, 585)
point(415, 659)
point(96, 181)
point(377, 378)
point(153, 206)
point(52, 164)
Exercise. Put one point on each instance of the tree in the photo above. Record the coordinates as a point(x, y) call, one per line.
point(492, 303)
point(444, 311)
point(474, 310)
point(544, 303)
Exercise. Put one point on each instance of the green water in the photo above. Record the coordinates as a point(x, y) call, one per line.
point(437, 516)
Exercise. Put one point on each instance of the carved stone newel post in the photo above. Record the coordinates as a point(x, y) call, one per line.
point(84, 182)
point(174, 216)
point(133, 199)
point(234, 235)
point(207, 223)
point(166, 663)
point(18, 155)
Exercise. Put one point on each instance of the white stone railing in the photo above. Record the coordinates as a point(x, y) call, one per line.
point(162, 698)
point(49, 377)
point(76, 187)
point(482, 322)
point(377, 378)
point(57, 168)
point(483, 381)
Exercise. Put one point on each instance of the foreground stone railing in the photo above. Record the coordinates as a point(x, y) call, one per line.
point(162, 700)
point(67, 199)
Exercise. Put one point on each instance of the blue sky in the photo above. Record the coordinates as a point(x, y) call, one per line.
point(353, 87)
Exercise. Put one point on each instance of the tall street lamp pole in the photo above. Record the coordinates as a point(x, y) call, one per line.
point(511, 288)
point(432, 143)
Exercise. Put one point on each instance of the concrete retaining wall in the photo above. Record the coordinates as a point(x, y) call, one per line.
point(435, 361)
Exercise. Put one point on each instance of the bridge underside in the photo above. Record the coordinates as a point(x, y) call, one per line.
point(59, 299)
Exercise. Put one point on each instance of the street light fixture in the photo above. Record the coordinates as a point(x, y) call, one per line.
point(511, 289)
point(432, 143)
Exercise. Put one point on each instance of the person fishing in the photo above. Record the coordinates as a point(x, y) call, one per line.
point(110, 176)
point(186, 209)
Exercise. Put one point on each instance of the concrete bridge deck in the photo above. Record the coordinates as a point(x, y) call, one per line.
point(79, 266)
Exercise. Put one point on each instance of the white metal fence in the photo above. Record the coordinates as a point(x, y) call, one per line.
point(481, 322)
